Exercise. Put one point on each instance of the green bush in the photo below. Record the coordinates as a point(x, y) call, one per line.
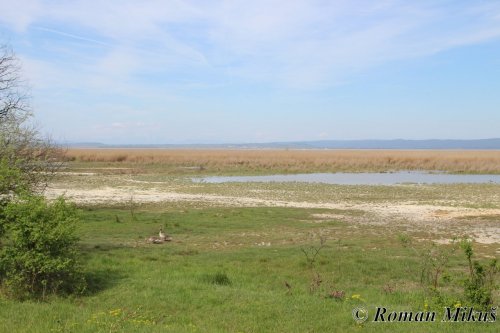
point(10, 184)
point(480, 284)
point(38, 254)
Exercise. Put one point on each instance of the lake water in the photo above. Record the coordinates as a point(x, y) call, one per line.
point(390, 178)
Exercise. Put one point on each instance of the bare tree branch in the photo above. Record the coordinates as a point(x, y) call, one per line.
point(22, 147)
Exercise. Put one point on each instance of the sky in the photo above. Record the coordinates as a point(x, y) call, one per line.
point(157, 72)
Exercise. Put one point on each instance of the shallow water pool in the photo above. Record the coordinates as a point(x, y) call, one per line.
point(367, 178)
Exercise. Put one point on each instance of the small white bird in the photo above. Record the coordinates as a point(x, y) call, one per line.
point(162, 235)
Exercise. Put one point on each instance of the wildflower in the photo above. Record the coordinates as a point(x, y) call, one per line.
point(115, 312)
point(357, 297)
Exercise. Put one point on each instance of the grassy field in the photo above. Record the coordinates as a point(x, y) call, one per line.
point(225, 271)
point(290, 161)
point(236, 262)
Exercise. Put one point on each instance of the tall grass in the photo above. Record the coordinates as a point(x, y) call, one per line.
point(465, 161)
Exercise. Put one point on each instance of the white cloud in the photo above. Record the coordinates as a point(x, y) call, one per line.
point(19, 14)
point(65, 34)
point(298, 43)
point(153, 54)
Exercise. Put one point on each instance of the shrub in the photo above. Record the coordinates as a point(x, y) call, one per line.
point(39, 256)
point(433, 262)
point(9, 182)
point(480, 284)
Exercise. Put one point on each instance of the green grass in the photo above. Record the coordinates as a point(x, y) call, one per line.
point(225, 271)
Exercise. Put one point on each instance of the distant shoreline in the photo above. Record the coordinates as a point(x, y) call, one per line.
point(398, 144)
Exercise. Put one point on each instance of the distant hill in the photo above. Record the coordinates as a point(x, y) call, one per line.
point(84, 145)
point(325, 144)
point(409, 144)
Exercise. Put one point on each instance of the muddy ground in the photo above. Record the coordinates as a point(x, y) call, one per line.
point(441, 210)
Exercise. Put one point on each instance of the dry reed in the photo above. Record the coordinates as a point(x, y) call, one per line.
point(466, 161)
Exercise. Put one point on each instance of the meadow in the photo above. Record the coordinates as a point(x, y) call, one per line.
point(265, 257)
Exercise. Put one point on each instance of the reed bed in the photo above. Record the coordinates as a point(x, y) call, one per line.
point(464, 161)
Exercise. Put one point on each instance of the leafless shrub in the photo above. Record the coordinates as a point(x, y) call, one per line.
point(22, 147)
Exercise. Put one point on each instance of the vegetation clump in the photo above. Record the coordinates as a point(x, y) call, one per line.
point(38, 254)
point(474, 287)
point(219, 278)
point(480, 284)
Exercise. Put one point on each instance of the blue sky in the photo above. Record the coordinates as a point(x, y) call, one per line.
point(120, 71)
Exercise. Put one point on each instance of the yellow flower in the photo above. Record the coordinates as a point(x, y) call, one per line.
point(457, 305)
point(357, 297)
point(115, 312)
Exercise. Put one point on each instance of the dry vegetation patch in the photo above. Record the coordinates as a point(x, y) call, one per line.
point(463, 161)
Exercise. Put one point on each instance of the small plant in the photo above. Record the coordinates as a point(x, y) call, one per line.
point(433, 260)
point(38, 255)
point(388, 288)
point(433, 265)
point(311, 254)
point(288, 288)
point(338, 295)
point(316, 282)
point(132, 205)
point(480, 284)
point(219, 278)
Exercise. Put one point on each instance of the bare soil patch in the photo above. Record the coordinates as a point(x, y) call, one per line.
point(414, 216)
